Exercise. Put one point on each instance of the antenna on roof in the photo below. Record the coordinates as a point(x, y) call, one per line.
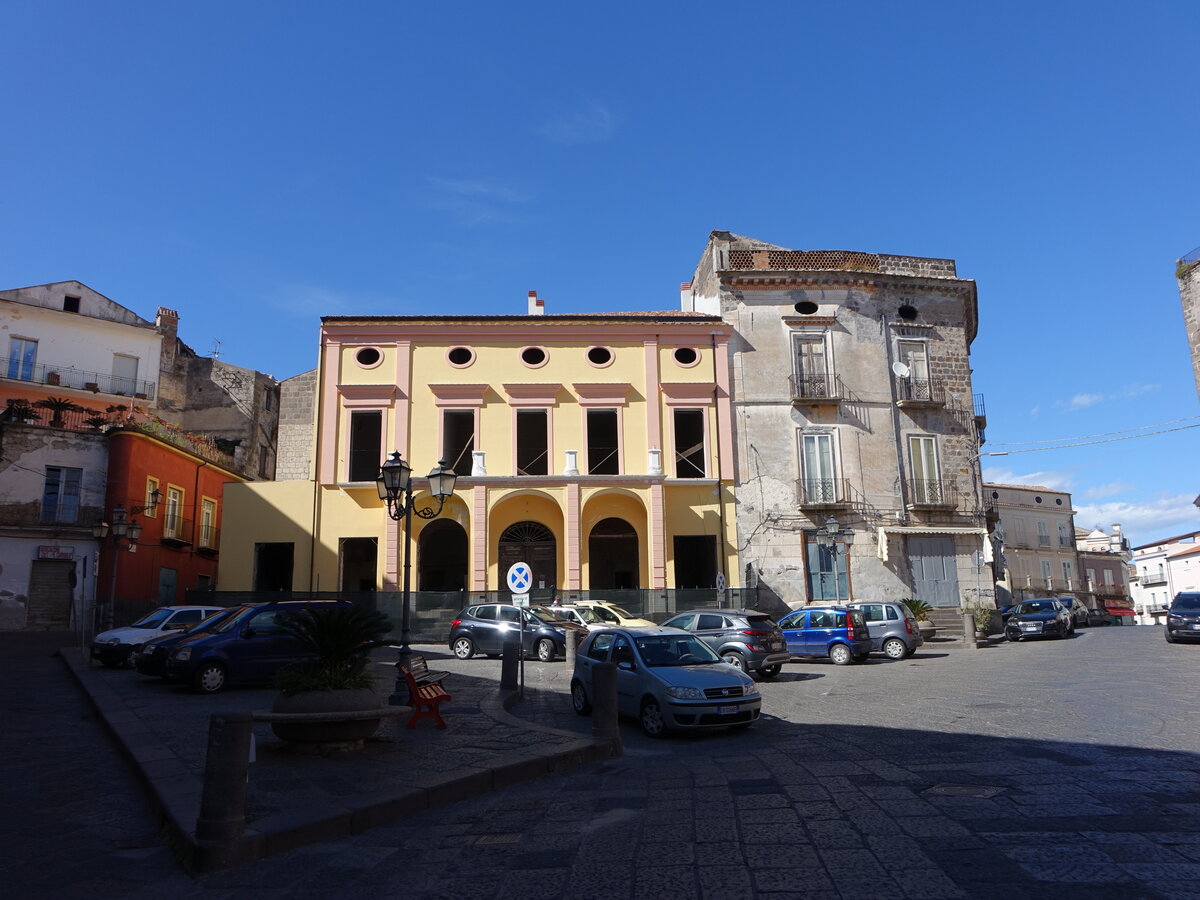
point(216, 348)
point(900, 369)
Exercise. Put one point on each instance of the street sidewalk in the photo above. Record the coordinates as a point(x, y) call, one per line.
point(296, 798)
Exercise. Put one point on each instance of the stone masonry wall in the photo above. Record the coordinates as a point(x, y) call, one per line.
point(297, 414)
point(1189, 294)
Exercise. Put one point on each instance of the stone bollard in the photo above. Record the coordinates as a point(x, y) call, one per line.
point(222, 817)
point(572, 640)
point(508, 666)
point(605, 727)
point(969, 631)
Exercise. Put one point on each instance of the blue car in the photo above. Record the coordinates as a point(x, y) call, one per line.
point(248, 648)
point(833, 631)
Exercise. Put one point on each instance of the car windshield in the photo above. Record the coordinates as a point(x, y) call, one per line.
point(215, 619)
point(674, 650)
point(233, 621)
point(587, 615)
point(153, 620)
point(544, 614)
point(1035, 606)
point(1186, 601)
point(624, 614)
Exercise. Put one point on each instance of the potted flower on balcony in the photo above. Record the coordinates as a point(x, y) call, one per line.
point(336, 682)
point(58, 407)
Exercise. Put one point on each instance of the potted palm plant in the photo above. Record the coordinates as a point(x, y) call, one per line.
point(921, 610)
point(58, 406)
point(332, 692)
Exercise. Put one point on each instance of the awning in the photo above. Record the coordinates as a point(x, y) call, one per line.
point(885, 530)
point(1120, 611)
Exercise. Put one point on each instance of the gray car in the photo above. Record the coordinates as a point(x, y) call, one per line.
point(745, 638)
point(667, 679)
point(894, 629)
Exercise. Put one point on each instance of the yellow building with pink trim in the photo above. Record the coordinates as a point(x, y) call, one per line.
point(597, 448)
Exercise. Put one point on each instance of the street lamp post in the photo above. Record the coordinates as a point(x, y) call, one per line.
point(121, 528)
point(395, 488)
point(836, 542)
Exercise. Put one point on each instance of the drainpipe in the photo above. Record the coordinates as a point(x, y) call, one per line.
point(318, 393)
point(900, 468)
point(717, 442)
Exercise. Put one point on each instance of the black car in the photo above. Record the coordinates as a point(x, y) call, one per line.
point(1039, 618)
point(745, 638)
point(151, 658)
point(485, 628)
point(1183, 618)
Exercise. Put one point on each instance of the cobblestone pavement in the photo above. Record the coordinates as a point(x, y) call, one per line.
point(1064, 769)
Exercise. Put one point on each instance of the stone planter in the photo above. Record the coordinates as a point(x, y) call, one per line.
point(927, 629)
point(327, 718)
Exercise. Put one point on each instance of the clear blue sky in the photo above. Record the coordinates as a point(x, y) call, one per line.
point(258, 165)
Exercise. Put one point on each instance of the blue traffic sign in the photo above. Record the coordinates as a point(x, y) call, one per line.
point(520, 578)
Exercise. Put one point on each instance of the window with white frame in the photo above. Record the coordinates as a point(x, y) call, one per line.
point(1068, 571)
point(914, 355)
point(173, 518)
point(1108, 577)
point(926, 477)
point(208, 523)
point(1091, 579)
point(1047, 571)
point(22, 357)
point(1064, 534)
point(1043, 531)
point(818, 469)
point(690, 457)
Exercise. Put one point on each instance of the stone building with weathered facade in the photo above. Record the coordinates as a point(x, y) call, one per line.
point(857, 431)
point(1187, 272)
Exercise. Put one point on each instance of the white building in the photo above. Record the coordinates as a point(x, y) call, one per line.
point(1163, 569)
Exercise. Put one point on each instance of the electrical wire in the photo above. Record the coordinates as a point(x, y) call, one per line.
point(1128, 437)
point(1084, 437)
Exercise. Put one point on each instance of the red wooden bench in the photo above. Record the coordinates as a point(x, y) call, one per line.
point(424, 698)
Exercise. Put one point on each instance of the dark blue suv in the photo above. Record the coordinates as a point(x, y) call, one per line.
point(833, 631)
point(248, 648)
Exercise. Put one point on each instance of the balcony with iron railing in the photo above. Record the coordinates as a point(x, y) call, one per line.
point(932, 493)
point(177, 531)
point(817, 493)
point(817, 389)
point(919, 392)
point(62, 375)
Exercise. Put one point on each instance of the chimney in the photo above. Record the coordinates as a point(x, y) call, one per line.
point(686, 300)
point(166, 323)
point(536, 306)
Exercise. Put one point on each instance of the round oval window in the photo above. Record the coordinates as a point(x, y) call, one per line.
point(599, 356)
point(806, 307)
point(686, 356)
point(533, 356)
point(368, 356)
point(460, 356)
point(908, 313)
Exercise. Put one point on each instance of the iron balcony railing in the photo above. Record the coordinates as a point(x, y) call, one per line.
point(920, 390)
point(71, 419)
point(811, 388)
point(55, 375)
point(823, 491)
point(932, 492)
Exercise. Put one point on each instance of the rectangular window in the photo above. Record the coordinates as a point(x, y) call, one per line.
point(602, 450)
point(827, 575)
point(366, 445)
point(1064, 535)
point(1043, 534)
point(173, 519)
point(60, 495)
point(1046, 571)
point(927, 482)
point(689, 443)
point(532, 442)
point(1068, 572)
point(1091, 579)
point(458, 439)
point(266, 462)
point(914, 355)
point(151, 510)
point(1108, 577)
point(812, 369)
point(817, 469)
point(208, 523)
point(22, 355)
point(695, 560)
point(70, 304)
point(124, 374)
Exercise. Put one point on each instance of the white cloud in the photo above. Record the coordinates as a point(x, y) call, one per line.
point(1060, 480)
point(589, 125)
point(1128, 392)
point(476, 202)
point(309, 301)
point(1143, 521)
point(1083, 401)
point(1106, 490)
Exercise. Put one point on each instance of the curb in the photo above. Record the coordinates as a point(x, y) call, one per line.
point(174, 791)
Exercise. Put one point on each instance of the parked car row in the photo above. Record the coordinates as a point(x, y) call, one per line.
point(210, 648)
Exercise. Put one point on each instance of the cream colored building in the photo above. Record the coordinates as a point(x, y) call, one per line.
point(1037, 532)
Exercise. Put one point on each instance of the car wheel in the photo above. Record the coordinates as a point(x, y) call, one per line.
point(545, 650)
point(463, 647)
point(654, 723)
point(734, 659)
point(211, 678)
point(579, 698)
point(893, 648)
point(770, 671)
point(841, 655)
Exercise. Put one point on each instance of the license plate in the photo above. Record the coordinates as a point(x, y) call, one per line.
point(1030, 628)
point(779, 645)
point(726, 710)
point(1196, 626)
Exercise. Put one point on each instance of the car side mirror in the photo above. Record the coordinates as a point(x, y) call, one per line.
point(627, 665)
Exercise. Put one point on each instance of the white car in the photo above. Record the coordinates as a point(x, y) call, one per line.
point(112, 648)
point(612, 615)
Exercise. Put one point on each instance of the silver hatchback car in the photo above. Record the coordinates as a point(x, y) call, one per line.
point(893, 627)
point(667, 679)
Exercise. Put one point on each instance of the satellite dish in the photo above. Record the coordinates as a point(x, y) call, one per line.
point(900, 369)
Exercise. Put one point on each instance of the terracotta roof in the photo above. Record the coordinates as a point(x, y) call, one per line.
point(675, 314)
